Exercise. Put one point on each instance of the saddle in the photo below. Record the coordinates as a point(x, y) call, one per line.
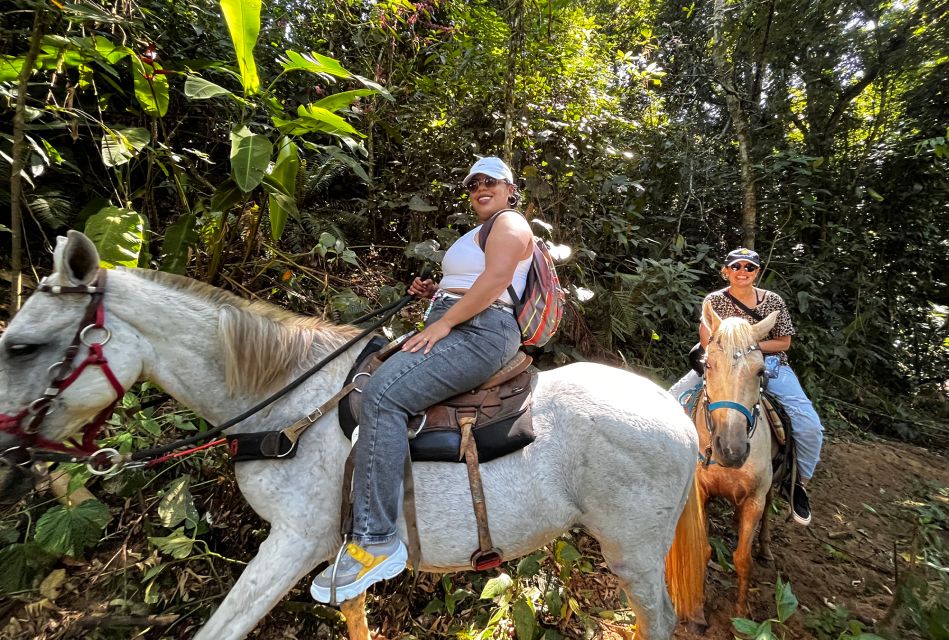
point(500, 408)
point(472, 427)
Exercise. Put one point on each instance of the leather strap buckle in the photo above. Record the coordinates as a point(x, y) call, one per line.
point(484, 560)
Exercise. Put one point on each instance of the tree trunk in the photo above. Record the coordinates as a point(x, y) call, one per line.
point(726, 73)
point(19, 154)
point(515, 47)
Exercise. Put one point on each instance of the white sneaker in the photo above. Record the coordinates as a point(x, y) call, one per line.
point(358, 569)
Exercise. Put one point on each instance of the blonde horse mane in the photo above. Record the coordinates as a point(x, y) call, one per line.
point(264, 345)
point(734, 336)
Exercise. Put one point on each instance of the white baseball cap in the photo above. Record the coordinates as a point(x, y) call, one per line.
point(490, 166)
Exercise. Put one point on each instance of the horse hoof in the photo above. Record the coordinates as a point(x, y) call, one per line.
point(766, 557)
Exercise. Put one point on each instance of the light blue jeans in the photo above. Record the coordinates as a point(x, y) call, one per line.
point(405, 385)
point(807, 430)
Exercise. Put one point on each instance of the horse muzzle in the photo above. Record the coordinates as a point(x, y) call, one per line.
point(731, 453)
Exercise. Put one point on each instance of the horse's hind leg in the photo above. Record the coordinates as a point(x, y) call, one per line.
point(283, 558)
point(749, 515)
point(764, 533)
point(641, 570)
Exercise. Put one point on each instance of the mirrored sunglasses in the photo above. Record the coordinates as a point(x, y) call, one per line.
point(489, 182)
point(750, 268)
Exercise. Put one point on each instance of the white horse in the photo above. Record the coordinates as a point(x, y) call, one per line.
point(614, 453)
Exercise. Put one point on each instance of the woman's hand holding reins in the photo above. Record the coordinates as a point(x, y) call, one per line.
point(423, 288)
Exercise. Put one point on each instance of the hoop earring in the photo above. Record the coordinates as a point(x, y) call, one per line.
point(513, 200)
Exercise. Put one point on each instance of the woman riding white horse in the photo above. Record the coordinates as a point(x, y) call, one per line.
point(613, 452)
point(470, 333)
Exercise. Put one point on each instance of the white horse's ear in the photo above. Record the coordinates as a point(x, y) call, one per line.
point(710, 319)
point(76, 259)
point(761, 330)
point(58, 254)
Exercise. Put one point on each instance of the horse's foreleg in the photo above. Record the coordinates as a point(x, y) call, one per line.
point(283, 558)
point(355, 612)
point(749, 515)
point(764, 533)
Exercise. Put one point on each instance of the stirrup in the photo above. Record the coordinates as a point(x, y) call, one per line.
point(484, 560)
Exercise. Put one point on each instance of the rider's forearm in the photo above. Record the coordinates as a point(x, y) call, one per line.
point(776, 345)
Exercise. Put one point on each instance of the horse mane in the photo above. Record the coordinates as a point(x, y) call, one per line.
point(264, 345)
point(734, 336)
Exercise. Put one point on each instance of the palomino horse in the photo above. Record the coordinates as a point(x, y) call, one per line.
point(734, 434)
point(613, 452)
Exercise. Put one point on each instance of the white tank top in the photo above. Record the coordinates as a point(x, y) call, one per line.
point(464, 262)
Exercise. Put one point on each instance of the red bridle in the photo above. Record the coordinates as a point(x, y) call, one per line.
point(26, 424)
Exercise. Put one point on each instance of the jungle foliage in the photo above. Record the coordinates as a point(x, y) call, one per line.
point(310, 154)
point(298, 153)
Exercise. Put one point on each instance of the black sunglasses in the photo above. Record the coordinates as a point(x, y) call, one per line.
point(750, 268)
point(488, 181)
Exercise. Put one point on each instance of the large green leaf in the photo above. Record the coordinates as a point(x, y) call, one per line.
point(284, 174)
point(197, 88)
point(151, 88)
point(366, 82)
point(315, 119)
point(118, 235)
point(250, 156)
point(176, 544)
point(10, 68)
point(243, 22)
point(226, 196)
point(110, 51)
point(121, 145)
point(177, 505)
point(496, 586)
point(785, 600)
point(525, 618)
point(179, 239)
point(342, 100)
point(69, 530)
point(314, 63)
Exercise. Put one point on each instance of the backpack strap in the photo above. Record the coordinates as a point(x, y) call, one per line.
point(483, 242)
point(741, 305)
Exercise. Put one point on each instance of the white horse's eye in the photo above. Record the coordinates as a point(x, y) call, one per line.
point(19, 350)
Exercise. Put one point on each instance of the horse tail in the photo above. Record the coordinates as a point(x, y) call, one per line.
point(688, 557)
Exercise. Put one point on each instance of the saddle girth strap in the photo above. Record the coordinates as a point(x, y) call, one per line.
point(411, 520)
point(487, 556)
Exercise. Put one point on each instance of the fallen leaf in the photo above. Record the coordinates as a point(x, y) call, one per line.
point(52, 584)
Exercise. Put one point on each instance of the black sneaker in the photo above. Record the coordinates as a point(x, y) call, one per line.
point(800, 505)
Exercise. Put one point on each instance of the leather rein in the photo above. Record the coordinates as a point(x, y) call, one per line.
point(94, 335)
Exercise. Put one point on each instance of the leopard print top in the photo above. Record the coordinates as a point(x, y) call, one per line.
point(769, 301)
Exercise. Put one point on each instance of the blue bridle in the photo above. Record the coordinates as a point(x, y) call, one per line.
point(737, 406)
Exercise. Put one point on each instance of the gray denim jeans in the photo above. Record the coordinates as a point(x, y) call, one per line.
point(405, 385)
